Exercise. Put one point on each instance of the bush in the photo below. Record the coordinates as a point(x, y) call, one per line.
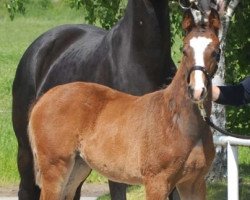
point(238, 64)
point(14, 6)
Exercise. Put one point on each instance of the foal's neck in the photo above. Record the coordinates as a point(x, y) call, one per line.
point(178, 87)
point(178, 92)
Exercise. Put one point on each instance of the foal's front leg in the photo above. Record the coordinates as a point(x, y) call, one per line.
point(158, 188)
point(50, 189)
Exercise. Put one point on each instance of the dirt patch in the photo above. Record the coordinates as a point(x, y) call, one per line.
point(8, 191)
point(94, 190)
point(88, 190)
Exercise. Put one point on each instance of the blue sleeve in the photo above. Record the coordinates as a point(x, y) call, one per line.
point(246, 85)
point(235, 95)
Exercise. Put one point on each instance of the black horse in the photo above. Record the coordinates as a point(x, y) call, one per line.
point(133, 57)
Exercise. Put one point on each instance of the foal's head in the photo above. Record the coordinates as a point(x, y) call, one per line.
point(201, 54)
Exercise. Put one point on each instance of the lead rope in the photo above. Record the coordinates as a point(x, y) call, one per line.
point(202, 111)
point(211, 124)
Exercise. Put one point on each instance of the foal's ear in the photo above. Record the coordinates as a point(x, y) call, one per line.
point(188, 21)
point(214, 20)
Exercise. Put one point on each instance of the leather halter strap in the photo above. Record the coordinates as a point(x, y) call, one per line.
point(200, 68)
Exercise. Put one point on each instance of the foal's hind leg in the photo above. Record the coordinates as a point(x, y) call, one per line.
point(192, 189)
point(78, 175)
point(54, 176)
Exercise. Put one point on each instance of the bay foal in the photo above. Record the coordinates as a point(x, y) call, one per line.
point(138, 45)
point(159, 139)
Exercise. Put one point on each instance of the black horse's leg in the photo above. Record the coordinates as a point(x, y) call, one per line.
point(27, 188)
point(117, 190)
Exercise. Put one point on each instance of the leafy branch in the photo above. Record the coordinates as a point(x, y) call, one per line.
point(15, 6)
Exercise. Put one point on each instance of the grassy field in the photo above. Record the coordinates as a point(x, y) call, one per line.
point(15, 37)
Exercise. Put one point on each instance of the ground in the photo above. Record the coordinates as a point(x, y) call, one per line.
point(88, 190)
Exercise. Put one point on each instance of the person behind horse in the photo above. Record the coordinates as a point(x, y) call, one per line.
point(234, 95)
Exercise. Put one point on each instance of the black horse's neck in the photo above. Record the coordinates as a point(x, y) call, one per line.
point(142, 41)
point(147, 22)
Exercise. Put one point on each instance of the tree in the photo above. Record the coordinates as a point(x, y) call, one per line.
point(15, 6)
point(107, 13)
point(238, 63)
point(233, 67)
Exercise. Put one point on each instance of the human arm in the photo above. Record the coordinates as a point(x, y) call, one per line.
point(234, 95)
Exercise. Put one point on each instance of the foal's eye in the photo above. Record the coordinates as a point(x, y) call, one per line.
point(216, 55)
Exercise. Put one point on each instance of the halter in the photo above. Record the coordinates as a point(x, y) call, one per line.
point(203, 69)
point(209, 77)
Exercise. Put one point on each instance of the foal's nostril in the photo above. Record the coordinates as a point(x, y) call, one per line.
point(203, 93)
point(190, 91)
point(197, 94)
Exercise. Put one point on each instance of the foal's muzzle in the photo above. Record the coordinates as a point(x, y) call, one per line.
point(198, 91)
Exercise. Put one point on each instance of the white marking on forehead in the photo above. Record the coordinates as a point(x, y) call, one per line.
point(199, 44)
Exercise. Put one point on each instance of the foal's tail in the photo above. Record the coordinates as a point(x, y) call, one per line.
point(36, 169)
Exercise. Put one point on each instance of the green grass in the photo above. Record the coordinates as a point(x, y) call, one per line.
point(215, 191)
point(15, 37)
point(8, 170)
point(133, 193)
